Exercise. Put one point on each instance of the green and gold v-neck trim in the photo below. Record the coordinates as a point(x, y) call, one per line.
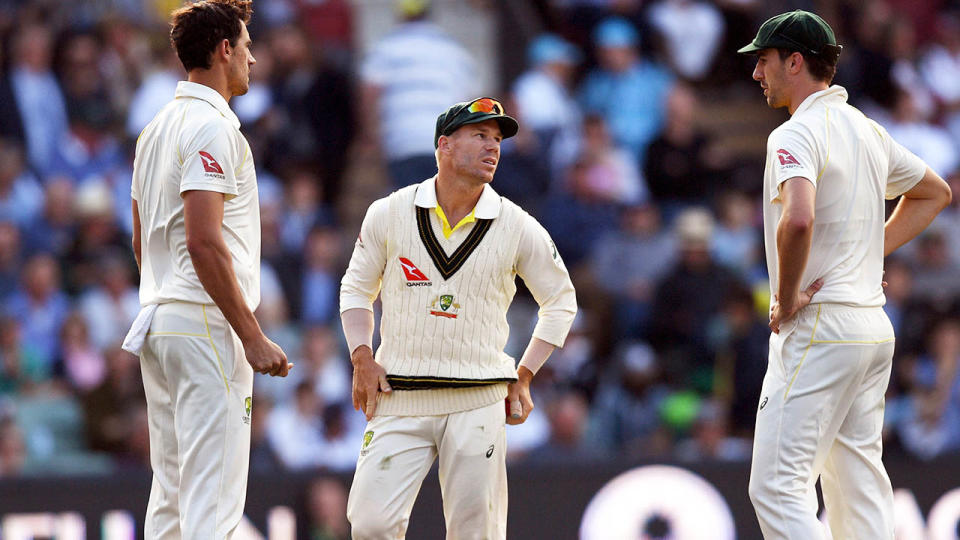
point(449, 265)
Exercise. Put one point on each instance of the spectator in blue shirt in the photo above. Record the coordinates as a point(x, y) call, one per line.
point(629, 92)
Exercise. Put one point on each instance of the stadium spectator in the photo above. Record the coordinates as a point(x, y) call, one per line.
point(936, 278)
point(627, 91)
point(54, 230)
point(37, 94)
point(692, 30)
point(21, 366)
point(569, 413)
point(941, 69)
point(404, 90)
point(159, 83)
point(10, 259)
point(688, 298)
point(108, 406)
point(315, 283)
point(736, 243)
point(929, 142)
point(339, 441)
point(79, 359)
point(327, 510)
point(627, 263)
point(739, 336)
point(110, 306)
point(612, 173)
point(577, 215)
point(21, 197)
point(304, 210)
point(13, 450)
point(295, 429)
point(263, 459)
point(711, 439)
point(317, 120)
point(626, 412)
point(681, 168)
point(41, 307)
point(544, 103)
point(931, 426)
point(98, 236)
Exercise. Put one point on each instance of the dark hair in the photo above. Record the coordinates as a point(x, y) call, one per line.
point(820, 68)
point(198, 28)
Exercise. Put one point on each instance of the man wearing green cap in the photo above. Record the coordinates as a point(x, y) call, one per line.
point(828, 170)
point(437, 384)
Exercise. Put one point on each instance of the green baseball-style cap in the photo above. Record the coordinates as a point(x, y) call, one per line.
point(471, 112)
point(798, 30)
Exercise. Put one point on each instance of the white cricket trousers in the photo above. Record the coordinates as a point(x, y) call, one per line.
point(198, 385)
point(821, 415)
point(397, 454)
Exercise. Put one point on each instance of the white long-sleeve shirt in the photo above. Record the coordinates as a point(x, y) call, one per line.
point(445, 300)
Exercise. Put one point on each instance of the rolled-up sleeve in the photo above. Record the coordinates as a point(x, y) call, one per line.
point(542, 270)
point(361, 283)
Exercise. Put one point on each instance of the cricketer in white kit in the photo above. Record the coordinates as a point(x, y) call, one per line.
point(197, 243)
point(438, 383)
point(829, 170)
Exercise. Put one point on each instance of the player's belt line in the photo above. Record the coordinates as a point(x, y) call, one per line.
point(854, 342)
point(804, 357)
point(175, 334)
point(215, 352)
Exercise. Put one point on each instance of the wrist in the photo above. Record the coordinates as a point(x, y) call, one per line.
point(360, 352)
point(524, 375)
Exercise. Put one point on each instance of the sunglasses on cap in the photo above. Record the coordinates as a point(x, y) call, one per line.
point(485, 105)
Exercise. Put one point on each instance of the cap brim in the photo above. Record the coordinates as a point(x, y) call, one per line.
point(508, 125)
point(749, 49)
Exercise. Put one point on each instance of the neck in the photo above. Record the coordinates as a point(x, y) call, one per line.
point(456, 196)
point(213, 78)
point(803, 91)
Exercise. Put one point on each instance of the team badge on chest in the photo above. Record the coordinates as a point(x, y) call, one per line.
point(444, 306)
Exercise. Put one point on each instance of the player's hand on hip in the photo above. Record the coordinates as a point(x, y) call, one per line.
point(266, 357)
point(369, 378)
point(781, 312)
point(519, 403)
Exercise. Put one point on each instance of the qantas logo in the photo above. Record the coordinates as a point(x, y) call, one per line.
point(415, 277)
point(209, 164)
point(786, 158)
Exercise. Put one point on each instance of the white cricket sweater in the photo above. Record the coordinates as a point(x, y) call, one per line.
point(445, 301)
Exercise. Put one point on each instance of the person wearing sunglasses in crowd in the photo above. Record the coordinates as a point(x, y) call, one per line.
point(443, 255)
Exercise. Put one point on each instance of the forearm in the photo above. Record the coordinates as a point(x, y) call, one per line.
point(136, 251)
point(357, 328)
point(135, 240)
point(535, 356)
point(909, 218)
point(214, 267)
point(793, 250)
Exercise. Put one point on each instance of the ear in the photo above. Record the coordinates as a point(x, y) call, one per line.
point(795, 63)
point(224, 49)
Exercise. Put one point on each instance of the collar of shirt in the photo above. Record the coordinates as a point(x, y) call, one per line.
point(488, 207)
point(836, 91)
point(211, 96)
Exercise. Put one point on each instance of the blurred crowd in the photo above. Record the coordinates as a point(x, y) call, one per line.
point(641, 151)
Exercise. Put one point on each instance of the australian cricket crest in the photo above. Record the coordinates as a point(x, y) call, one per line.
point(444, 306)
point(247, 409)
point(367, 439)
